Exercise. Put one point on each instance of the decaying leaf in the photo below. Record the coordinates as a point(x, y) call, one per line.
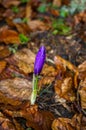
point(23, 59)
point(12, 71)
point(4, 52)
point(35, 25)
point(78, 122)
point(66, 80)
point(26, 68)
point(62, 62)
point(8, 3)
point(17, 88)
point(9, 36)
point(82, 70)
point(81, 17)
point(25, 55)
point(22, 28)
point(35, 118)
point(39, 119)
point(28, 11)
point(82, 92)
point(2, 65)
point(8, 124)
point(57, 3)
point(64, 88)
point(49, 73)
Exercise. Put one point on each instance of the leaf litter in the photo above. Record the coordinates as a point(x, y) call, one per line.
point(61, 101)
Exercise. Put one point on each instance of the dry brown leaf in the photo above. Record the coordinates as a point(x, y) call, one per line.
point(8, 3)
point(28, 11)
point(37, 119)
point(25, 55)
point(17, 88)
point(5, 101)
point(23, 59)
point(12, 71)
point(81, 17)
point(4, 52)
point(26, 68)
point(64, 88)
point(22, 28)
point(82, 70)
point(54, 12)
point(2, 65)
point(36, 25)
point(78, 122)
point(7, 124)
point(82, 92)
point(57, 3)
point(9, 36)
point(49, 73)
point(62, 62)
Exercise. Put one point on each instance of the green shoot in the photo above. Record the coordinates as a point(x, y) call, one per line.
point(24, 39)
point(13, 48)
point(15, 9)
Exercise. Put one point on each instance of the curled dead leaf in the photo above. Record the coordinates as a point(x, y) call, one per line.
point(35, 118)
point(49, 73)
point(82, 70)
point(38, 119)
point(82, 92)
point(7, 124)
point(64, 88)
point(81, 17)
point(78, 122)
point(62, 62)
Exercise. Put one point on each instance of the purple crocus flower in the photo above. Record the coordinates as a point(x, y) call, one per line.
point(39, 60)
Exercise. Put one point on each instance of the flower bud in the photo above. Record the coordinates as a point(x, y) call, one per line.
point(39, 60)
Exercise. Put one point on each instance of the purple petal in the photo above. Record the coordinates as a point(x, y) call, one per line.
point(39, 60)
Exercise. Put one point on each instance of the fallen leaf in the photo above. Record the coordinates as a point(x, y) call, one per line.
point(62, 62)
point(34, 117)
point(80, 17)
point(8, 3)
point(36, 25)
point(24, 55)
point(49, 73)
point(4, 52)
point(2, 65)
point(26, 68)
point(82, 70)
point(23, 59)
point(64, 88)
point(16, 88)
point(7, 124)
point(78, 122)
point(37, 119)
point(28, 11)
point(82, 92)
point(57, 3)
point(22, 28)
point(9, 36)
point(12, 71)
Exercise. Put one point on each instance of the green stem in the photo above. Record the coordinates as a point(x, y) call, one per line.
point(35, 89)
